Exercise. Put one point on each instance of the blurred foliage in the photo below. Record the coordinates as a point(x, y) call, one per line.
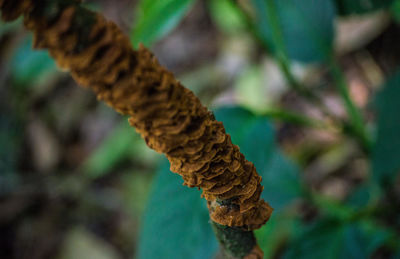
point(248, 87)
point(299, 29)
point(125, 144)
point(113, 193)
point(8, 27)
point(80, 243)
point(385, 160)
point(395, 10)
point(156, 18)
point(31, 67)
point(329, 238)
point(227, 16)
point(176, 221)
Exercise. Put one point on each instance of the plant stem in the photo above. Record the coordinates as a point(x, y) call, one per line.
point(294, 118)
point(235, 242)
point(357, 125)
point(281, 52)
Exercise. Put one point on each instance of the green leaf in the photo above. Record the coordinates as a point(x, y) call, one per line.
point(329, 238)
point(363, 238)
point(361, 6)
point(136, 188)
point(366, 194)
point(273, 235)
point(385, 155)
point(395, 11)
point(7, 27)
point(176, 221)
point(256, 139)
point(227, 16)
point(319, 240)
point(250, 90)
point(29, 66)
point(303, 30)
point(122, 143)
point(155, 19)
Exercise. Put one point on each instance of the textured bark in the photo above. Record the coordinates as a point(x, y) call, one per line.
point(169, 117)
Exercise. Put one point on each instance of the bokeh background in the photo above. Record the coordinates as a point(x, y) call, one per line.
point(77, 182)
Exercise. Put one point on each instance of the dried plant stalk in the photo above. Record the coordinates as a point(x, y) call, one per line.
point(169, 117)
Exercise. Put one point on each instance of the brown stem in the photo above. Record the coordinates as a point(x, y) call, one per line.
point(169, 117)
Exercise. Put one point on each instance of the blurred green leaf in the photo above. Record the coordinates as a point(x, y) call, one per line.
point(360, 197)
point(360, 241)
point(361, 6)
point(333, 208)
point(136, 187)
point(250, 90)
point(115, 147)
point(256, 139)
point(366, 194)
point(227, 16)
point(395, 10)
point(29, 66)
point(319, 240)
point(80, 243)
point(176, 222)
point(385, 155)
point(281, 181)
point(6, 27)
point(273, 235)
point(122, 143)
point(304, 29)
point(328, 238)
point(155, 19)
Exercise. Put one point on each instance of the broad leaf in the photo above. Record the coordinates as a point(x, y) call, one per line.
point(273, 235)
point(319, 240)
point(385, 158)
point(176, 222)
point(304, 29)
point(362, 239)
point(157, 18)
point(361, 6)
point(328, 238)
